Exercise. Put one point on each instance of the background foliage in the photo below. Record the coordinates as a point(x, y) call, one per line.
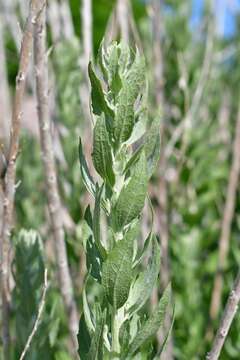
point(197, 174)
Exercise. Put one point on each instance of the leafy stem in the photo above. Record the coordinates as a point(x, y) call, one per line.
point(113, 256)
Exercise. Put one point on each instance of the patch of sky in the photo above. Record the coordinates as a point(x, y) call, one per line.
point(225, 12)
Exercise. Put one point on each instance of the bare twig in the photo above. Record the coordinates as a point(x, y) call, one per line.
point(226, 222)
point(9, 178)
point(54, 203)
point(39, 315)
point(5, 116)
point(228, 316)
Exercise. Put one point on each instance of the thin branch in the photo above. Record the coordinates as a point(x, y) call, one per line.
point(228, 316)
point(5, 115)
point(53, 198)
point(9, 178)
point(228, 214)
point(39, 315)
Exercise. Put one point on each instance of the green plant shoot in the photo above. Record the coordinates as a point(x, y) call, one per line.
point(124, 155)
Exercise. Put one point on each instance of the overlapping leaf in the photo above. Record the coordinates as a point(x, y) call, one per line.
point(117, 272)
point(132, 197)
point(102, 156)
point(152, 325)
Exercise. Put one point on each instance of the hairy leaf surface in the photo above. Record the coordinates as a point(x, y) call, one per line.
point(132, 197)
point(102, 156)
point(152, 325)
point(117, 272)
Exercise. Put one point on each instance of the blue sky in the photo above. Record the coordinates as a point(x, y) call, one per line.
point(226, 11)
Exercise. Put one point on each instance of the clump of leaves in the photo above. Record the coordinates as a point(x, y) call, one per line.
point(125, 156)
point(28, 272)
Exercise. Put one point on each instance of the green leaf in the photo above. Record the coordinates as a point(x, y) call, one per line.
point(113, 69)
point(53, 332)
point(90, 347)
point(87, 311)
point(139, 127)
point(148, 240)
point(143, 286)
point(102, 156)
point(88, 217)
point(167, 336)
point(124, 57)
point(96, 222)
point(87, 179)
point(99, 103)
point(117, 272)
point(124, 120)
point(124, 335)
point(28, 272)
point(152, 325)
point(131, 87)
point(132, 197)
point(84, 339)
point(102, 61)
point(96, 349)
point(136, 77)
point(133, 159)
point(93, 259)
point(152, 146)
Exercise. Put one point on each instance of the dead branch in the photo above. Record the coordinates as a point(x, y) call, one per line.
point(9, 177)
point(5, 115)
point(53, 198)
point(227, 319)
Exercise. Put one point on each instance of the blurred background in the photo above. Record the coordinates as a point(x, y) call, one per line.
point(192, 51)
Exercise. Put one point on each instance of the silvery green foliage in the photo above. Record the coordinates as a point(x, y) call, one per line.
point(28, 272)
point(125, 156)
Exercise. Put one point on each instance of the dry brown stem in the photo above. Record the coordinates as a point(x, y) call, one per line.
point(53, 198)
point(9, 177)
point(227, 319)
